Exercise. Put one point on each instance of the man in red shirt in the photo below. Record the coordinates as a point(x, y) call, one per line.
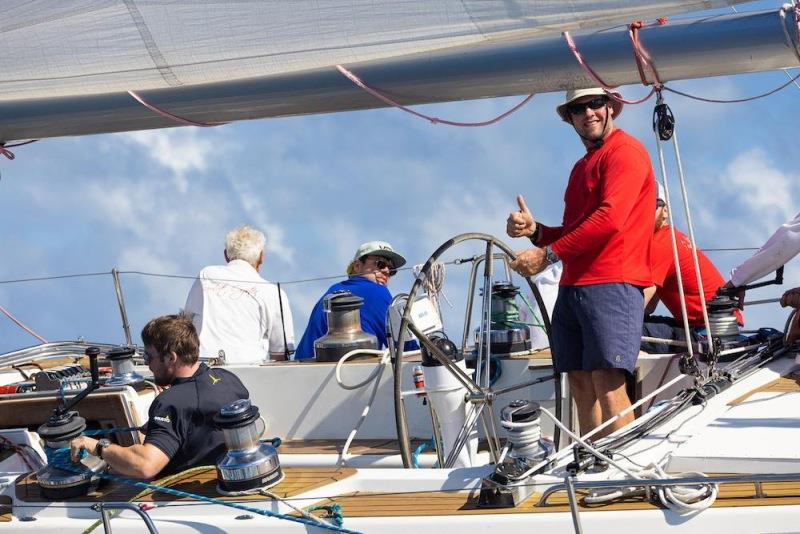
point(665, 288)
point(604, 244)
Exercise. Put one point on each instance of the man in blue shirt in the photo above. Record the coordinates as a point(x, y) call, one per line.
point(374, 263)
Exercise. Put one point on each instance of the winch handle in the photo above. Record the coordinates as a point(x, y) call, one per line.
point(64, 407)
point(735, 291)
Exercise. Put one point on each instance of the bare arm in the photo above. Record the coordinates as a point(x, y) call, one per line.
point(138, 461)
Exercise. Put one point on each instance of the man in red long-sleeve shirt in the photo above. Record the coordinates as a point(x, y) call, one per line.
point(604, 243)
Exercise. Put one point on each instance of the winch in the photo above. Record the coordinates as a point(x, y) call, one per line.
point(508, 334)
point(342, 310)
point(122, 372)
point(722, 318)
point(62, 427)
point(508, 486)
point(249, 463)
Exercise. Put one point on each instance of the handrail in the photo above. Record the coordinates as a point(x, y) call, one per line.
point(104, 507)
point(756, 480)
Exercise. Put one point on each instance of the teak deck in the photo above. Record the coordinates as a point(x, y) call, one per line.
point(784, 384)
point(299, 480)
point(296, 480)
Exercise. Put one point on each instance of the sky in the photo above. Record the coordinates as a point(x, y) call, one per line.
point(160, 202)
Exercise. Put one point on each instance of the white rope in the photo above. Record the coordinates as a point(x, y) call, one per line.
point(682, 499)
point(433, 282)
point(374, 376)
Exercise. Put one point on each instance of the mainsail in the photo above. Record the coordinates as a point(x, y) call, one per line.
point(67, 67)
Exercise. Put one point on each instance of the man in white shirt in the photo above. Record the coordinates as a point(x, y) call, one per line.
point(781, 247)
point(239, 315)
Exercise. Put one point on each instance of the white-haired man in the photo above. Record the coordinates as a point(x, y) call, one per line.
point(604, 243)
point(238, 314)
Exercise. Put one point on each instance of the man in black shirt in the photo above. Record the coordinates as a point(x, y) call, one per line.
point(180, 432)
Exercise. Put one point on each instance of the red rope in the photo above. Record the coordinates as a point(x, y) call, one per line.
point(167, 114)
point(433, 120)
point(19, 324)
point(594, 76)
point(6, 152)
point(644, 61)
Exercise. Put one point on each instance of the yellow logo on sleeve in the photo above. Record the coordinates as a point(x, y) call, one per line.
point(214, 379)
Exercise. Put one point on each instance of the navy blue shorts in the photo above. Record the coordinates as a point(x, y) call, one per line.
point(597, 327)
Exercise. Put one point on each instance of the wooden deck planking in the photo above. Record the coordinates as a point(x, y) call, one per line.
point(296, 480)
point(459, 503)
point(779, 385)
point(299, 480)
point(357, 447)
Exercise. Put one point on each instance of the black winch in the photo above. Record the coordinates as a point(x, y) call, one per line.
point(62, 427)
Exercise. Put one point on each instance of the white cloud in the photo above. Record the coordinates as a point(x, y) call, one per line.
point(180, 150)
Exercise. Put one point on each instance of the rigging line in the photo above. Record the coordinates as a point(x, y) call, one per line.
point(6, 152)
point(433, 120)
point(158, 111)
point(596, 77)
point(792, 80)
point(54, 277)
point(19, 324)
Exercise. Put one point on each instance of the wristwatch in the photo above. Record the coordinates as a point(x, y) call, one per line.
point(551, 256)
point(101, 445)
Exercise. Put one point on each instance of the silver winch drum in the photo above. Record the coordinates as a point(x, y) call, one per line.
point(57, 484)
point(249, 464)
point(343, 311)
point(122, 372)
point(508, 334)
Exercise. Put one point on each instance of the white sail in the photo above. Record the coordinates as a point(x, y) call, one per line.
point(60, 49)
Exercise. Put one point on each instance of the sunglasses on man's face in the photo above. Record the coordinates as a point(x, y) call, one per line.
point(660, 203)
point(579, 108)
point(383, 264)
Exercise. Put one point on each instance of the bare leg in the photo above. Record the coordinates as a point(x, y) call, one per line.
point(609, 389)
point(582, 389)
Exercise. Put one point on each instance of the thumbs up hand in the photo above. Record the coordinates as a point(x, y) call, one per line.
point(520, 223)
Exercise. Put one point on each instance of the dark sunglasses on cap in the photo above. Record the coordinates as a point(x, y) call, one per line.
point(660, 203)
point(595, 103)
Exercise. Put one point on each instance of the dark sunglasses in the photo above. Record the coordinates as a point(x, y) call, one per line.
point(383, 264)
point(595, 103)
point(660, 203)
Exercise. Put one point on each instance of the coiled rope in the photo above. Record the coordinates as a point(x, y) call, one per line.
point(433, 282)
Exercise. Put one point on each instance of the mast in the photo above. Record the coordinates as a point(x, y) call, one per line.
point(711, 46)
